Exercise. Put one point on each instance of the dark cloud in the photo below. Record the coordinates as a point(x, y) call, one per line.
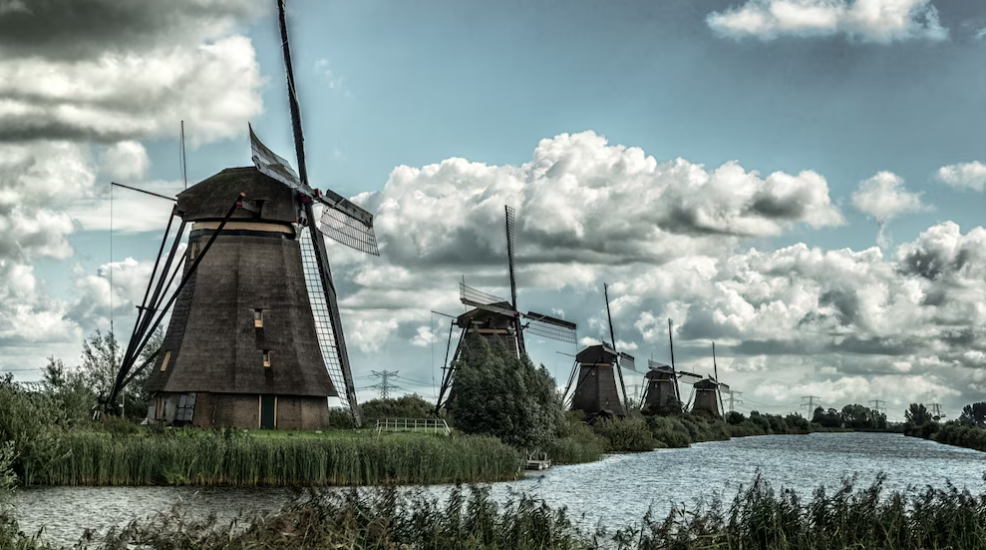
point(78, 29)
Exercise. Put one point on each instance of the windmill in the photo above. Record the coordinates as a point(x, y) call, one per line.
point(708, 391)
point(499, 320)
point(595, 373)
point(662, 391)
point(255, 338)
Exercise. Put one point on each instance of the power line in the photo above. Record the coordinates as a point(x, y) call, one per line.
point(733, 401)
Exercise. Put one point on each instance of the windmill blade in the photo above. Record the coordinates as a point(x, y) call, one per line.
point(627, 362)
point(328, 323)
point(479, 299)
point(274, 166)
point(551, 327)
point(688, 377)
point(510, 255)
point(655, 365)
point(724, 387)
point(341, 226)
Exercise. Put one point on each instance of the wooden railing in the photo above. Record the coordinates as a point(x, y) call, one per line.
point(434, 425)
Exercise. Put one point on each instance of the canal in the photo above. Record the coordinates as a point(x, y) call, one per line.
point(615, 491)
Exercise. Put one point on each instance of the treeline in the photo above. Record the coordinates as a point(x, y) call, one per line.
point(758, 516)
point(968, 430)
point(853, 417)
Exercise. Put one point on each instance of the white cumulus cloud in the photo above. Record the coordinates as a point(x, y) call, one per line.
point(966, 175)
point(884, 197)
point(880, 21)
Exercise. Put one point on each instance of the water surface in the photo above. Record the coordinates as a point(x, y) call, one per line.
point(615, 491)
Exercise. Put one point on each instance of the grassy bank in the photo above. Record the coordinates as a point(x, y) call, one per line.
point(207, 457)
point(759, 517)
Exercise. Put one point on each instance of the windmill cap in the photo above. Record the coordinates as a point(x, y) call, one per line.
point(210, 198)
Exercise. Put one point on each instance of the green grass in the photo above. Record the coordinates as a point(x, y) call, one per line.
point(207, 457)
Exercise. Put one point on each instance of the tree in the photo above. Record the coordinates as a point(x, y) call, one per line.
point(917, 414)
point(406, 406)
point(495, 393)
point(827, 419)
point(974, 414)
point(101, 361)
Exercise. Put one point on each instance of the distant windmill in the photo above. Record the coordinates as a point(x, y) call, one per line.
point(708, 391)
point(662, 390)
point(499, 320)
point(595, 374)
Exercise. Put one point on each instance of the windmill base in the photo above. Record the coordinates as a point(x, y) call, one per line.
point(211, 410)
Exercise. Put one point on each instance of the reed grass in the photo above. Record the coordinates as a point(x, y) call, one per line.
point(213, 458)
point(757, 518)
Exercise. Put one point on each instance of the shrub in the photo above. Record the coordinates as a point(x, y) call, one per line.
point(626, 435)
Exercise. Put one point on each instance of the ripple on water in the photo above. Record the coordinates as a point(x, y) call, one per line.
point(614, 491)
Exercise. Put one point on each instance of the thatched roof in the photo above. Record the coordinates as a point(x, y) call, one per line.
point(600, 353)
point(486, 317)
point(214, 345)
point(211, 198)
point(706, 384)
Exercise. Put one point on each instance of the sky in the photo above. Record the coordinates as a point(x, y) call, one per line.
point(795, 180)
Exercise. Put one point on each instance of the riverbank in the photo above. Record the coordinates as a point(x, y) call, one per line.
point(123, 454)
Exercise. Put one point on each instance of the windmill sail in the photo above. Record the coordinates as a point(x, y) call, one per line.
point(551, 327)
point(340, 225)
point(274, 166)
point(328, 326)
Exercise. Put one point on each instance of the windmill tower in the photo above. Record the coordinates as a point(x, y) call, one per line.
point(255, 338)
point(595, 375)
point(499, 320)
point(708, 391)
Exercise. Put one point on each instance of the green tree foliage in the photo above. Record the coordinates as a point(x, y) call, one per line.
point(859, 417)
point(827, 419)
point(406, 406)
point(919, 421)
point(974, 414)
point(102, 357)
point(497, 394)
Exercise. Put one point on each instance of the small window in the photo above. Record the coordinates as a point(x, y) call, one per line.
point(167, 359)
point(186, 407)
point(267, 358)
point(191, 251)
point(258, 318)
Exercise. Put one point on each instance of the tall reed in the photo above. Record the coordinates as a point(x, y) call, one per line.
point(211, 458)
point(757, 518)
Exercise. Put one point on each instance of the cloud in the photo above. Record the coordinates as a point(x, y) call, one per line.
point(126, 96)
point(967, 175)
point(126, 160)
point(879, 21)
point(883, 196)
point(581, 199)
point(78, 29)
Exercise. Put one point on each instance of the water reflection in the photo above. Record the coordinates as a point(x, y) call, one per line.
point(615, 491)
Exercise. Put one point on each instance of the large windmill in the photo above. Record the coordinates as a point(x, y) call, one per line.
point(595, 374)
point(662, 391)
point(499, 320)
point(708, 391)
point(255, 338)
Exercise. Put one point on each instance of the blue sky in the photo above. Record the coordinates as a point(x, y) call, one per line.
point(385, 84)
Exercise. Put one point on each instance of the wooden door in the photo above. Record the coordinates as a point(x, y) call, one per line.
point(267, 410)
